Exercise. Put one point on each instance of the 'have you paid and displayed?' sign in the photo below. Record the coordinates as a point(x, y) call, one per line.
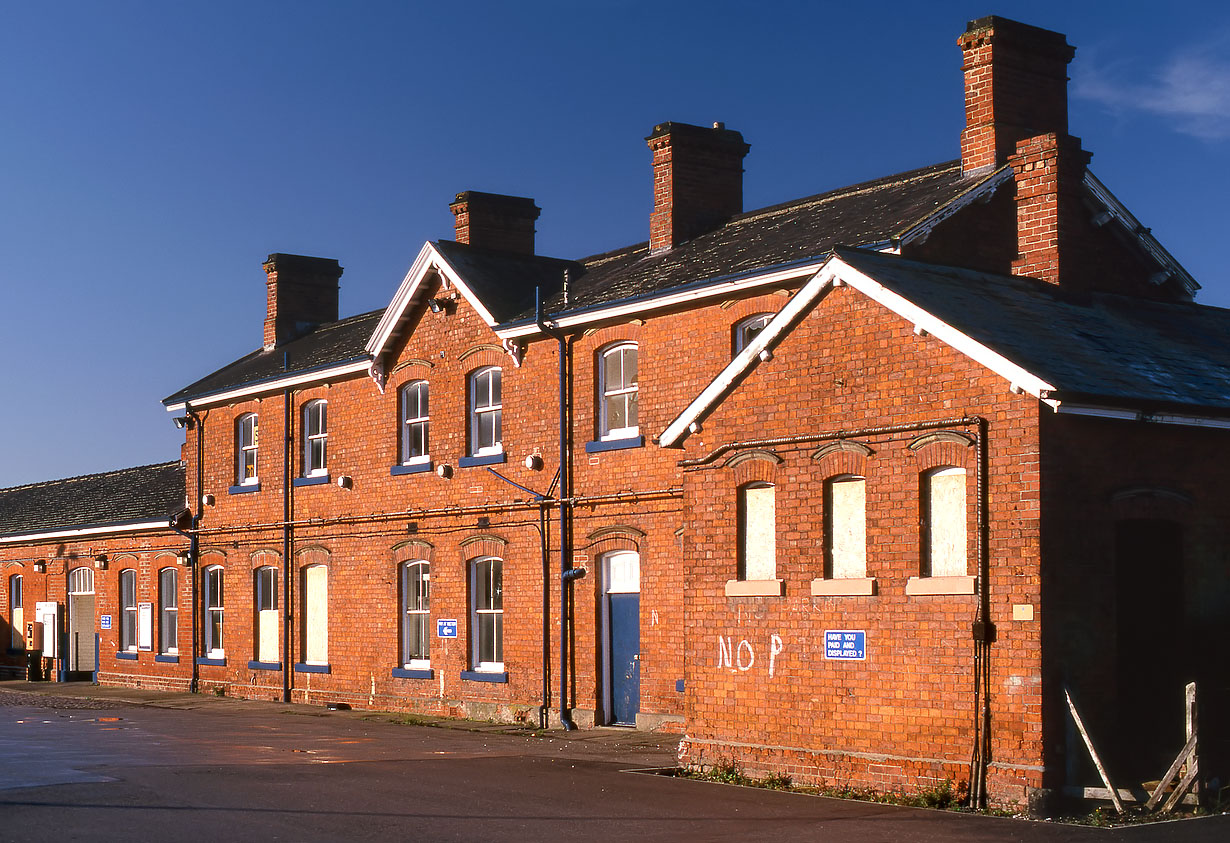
point(845, 644)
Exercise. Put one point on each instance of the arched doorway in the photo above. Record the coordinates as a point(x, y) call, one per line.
point(81, 661)
point(621, 653)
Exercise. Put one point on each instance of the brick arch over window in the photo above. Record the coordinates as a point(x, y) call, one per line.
point(478, 356)
point(414, 549)
point(1151, 502)
point(753, 466)
point(614, 538)
point(484, 544)
point(612, 335)
point(312, 555)
point(413, 361)
point(943, 448)
point(265, 557)
point(842, 457)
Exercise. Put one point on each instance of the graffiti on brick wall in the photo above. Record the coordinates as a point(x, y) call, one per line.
point(741, 657)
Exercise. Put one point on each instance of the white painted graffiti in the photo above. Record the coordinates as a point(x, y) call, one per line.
point(742, 656)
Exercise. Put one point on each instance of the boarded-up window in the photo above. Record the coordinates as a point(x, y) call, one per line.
point(846, 530)
point(316, 615)
point(758, 532)
point(267, 614)
point(944, 522)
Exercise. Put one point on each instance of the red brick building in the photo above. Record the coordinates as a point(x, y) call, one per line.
point(853, 487)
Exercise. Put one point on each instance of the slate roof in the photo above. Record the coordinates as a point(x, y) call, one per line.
point(505, 282)
point(861, 215)
point(333, 344)
point(1101, 347)
point(129, 495)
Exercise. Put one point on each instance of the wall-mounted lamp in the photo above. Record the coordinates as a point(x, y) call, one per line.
point(484, 522)
point(207, 500)
point(436, 306)
point(765, 355)
point(180, 421)
point(444, 470)
point(533, 462)
point(40, 567)
point(345, 481)
point(694, 427)
point(100, 562)
point(183, 558)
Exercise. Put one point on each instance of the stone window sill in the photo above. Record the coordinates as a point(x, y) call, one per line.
point(755, 588)
point(314, 480)
point(244, 489)
point(413, 673)
point(844, 587)
point(623, 444)
point(411, 468)
point(922, 586)
point(257, 665)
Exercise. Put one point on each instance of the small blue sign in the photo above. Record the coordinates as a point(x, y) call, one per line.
point(845, 644)
point(104, 622)
point(446, 628)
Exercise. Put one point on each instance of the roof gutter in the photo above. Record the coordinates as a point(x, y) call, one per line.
point(259, 387)
point(125, 527)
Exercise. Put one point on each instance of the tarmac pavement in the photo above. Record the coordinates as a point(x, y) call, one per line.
point(80, 762)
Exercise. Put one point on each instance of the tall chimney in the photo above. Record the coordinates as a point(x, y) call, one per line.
point(301, 294)
point(1016, 87)
point(697, 181)
point(495, 221)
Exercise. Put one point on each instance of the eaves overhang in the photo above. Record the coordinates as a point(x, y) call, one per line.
point(137, 526)
point(320, 374)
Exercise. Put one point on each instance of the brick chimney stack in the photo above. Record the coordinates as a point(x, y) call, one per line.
point(1016, 87)
point(495, 221)
point(301, 294)
point(697, 181)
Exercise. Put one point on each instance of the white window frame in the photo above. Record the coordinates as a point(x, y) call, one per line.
point(747, 328)
point(416, 613)
point(265, 600)
point(168, 611)
point(488, 617)
point(17, 611)
point(487, 401)
point(623, 391)
point(419, 421)
point(316, 437)
point(128, 610)
point(247, 442)
point(81, 581)
point(212, 596)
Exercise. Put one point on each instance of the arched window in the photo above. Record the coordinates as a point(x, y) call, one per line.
point(315, 647)
point(757, 532)
point(944, 522)
point(128, 610)
point(745, 330)
point(168, 611)
point(81, 581)
point(17, 612)
point(487, 618)
point(246, 443)
point(416, 615)
point(212, 581)
point(414, 423)
point(845, 527)
point(315, 438)
point(618, 386)
point(486, 412)
point(266, 587)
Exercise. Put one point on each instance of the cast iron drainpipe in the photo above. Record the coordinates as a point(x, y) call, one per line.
point(288, 508)
point(544, 715)
point(193, 541)
point(567, 572)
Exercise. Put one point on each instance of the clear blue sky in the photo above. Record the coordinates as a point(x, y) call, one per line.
point(154, 152)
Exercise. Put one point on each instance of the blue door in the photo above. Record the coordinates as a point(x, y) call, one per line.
point(623, 650)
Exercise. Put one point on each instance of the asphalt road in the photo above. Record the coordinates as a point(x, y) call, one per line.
point(190, 768)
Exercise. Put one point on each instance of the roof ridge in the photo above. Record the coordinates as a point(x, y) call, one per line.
point(98, 474)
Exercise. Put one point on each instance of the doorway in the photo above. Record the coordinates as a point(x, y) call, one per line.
point(621, 574)
point(81, 657)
